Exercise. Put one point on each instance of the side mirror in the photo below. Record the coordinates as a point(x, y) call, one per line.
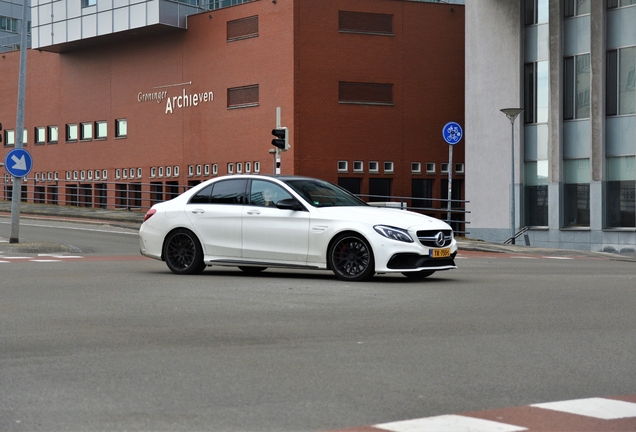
point(290, 204)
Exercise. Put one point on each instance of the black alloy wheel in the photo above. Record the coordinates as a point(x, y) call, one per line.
point(351, 258)
point(417, 275)
point(183, 253)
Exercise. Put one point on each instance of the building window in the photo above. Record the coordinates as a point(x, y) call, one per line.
point(206, 169)
point(343, 166)
point(215, 169)
point(248, 167)
point(576, 7)
point(121, 128)
point(536, 94)
point(358, 166)
point(374, 167)
point(365, 22)
point(430, 168)
point(576, 193)
point(257, 167)
point(40, 135)
point(86, 131)
point(388, 167)
point(168, 171)
point(379, 189)
point(198, 170)
point(536, 12)
point(87, 3)
point(416, 168)
point(621, 81)
point(576, 87)
point(9, 137)
point(230, 168)
point(459, 168)
point(444, 167)
point(52, 134)
point(365, 93)
point(242, 28)
point(536, 193)
point(71, 132)
point(422, 189)
point(350, 184)
point(621, 192)
point(8, 24)
point(242, 97)
point(101, 129)
point(153, 172)
point(611, 4)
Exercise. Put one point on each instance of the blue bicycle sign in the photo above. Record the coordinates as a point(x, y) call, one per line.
point(452, 133)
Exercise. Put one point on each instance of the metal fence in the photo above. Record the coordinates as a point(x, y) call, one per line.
point(137, 196)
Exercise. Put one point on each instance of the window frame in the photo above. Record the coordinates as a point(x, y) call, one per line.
point(121, 128)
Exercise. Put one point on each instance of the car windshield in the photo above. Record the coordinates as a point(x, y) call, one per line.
point(324, 194)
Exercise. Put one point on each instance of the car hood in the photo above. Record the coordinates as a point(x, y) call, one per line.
point(385, 216)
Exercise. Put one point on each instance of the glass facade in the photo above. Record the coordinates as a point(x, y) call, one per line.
point(535, 115)
point(620, 149)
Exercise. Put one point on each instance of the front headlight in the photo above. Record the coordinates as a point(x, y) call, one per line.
point(394, 233)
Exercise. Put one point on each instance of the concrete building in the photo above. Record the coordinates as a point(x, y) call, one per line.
point(11, 24)
point(155, 96)
point(570, 64)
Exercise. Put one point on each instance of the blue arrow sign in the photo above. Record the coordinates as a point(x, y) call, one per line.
point(452, 133)
point(18, 162)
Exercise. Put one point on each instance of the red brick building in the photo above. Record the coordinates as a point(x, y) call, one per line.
point(364, 86)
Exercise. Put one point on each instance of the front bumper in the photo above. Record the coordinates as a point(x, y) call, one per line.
point(413, 261)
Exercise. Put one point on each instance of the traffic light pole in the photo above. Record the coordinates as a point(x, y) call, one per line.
point(278, 126)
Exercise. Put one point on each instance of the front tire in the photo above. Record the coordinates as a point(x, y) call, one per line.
point(351, 258)
point(182, 252)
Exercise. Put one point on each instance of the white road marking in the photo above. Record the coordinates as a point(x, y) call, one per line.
point(607, 409)
point(449, 423)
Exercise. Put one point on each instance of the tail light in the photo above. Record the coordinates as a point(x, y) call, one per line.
point(149, 214)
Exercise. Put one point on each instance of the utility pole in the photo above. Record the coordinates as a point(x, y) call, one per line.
point(19, 128)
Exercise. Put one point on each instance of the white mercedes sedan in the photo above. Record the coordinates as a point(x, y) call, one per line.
point(255, 221)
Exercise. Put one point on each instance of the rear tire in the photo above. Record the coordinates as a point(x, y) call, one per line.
point(351, 258)
point(182, 252)
point(418, 275)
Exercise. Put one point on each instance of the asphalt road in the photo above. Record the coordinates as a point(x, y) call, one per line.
point(102, 339)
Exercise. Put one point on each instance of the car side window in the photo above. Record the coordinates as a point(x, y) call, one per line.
point(203, 196)
point(229, 192)
point(267, 194)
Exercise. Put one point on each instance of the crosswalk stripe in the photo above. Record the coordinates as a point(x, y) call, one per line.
point(606, 409)
point(449, 423)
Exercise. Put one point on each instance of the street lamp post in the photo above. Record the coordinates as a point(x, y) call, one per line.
point(512, 114)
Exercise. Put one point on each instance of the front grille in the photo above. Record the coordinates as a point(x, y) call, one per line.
point(428, 238)
point(414, 261)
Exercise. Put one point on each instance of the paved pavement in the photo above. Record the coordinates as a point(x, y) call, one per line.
point(134, 218)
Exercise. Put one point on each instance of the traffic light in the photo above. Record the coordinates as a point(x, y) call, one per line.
point(282, 138)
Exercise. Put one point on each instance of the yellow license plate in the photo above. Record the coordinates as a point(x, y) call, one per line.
point(440, 253)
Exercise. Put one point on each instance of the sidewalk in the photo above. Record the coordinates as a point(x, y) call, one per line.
point(133, 219)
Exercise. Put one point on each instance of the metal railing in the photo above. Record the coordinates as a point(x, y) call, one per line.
point(137, 196)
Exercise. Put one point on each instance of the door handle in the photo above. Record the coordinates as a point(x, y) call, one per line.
point(253, 212)
point(198, 211)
